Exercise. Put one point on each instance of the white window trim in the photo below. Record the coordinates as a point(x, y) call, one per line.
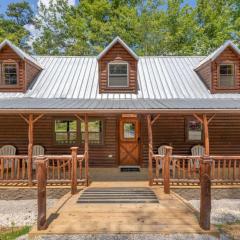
point(118, 63)
point(234, 75)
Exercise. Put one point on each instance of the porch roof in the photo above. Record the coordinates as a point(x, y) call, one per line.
point(138, 105)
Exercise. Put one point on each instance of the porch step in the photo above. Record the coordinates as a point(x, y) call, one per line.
point(118, 195)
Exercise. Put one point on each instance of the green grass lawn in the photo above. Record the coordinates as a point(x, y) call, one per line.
point(10, 234)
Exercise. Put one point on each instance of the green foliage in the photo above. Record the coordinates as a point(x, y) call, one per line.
point(149, 27)
point(14, 233)
point(12, 24)
point(21, 13)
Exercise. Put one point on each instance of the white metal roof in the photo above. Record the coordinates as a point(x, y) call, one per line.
point(20, 52)
point(158, 78)
point(163, 83)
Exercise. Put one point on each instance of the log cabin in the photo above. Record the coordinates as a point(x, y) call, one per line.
point(118, 109)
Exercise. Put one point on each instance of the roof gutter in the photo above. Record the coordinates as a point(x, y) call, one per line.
point(109, 111)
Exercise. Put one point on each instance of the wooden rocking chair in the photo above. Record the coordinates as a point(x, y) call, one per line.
point(7, 150)
point(37, 151)
point(162, 151)
point(197, 150)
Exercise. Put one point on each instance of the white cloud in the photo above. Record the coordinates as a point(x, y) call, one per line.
point(46, 2)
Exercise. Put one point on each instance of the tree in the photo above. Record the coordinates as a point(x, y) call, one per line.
point(214, 19)
point(21, 13)
point(12, 24)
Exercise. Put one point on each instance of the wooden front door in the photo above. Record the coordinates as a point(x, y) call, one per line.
point(129, 141)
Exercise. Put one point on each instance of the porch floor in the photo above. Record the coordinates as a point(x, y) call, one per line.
point(171, 215)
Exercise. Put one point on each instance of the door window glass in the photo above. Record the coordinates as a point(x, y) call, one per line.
point(129, 130)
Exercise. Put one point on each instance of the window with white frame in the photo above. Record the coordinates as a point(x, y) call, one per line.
point(226, 76)
point(10, 74)
point(118, 75)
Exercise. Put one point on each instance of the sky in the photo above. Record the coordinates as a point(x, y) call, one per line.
point(4, 3)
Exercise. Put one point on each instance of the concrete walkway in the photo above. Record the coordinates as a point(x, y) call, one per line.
point(171, 215)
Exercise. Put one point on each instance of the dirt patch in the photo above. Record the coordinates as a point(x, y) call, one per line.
point(217, 193)
point(30, 193)
point(231, 230)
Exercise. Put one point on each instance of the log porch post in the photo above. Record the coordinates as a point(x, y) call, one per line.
point(41, 189)
point(166, 177)
point(86, 139)
point(30, 148)
point(205, 122)
point(30, 121)
point(74, 170)
point(205, 198)
point(206, 135)
point(150, 150)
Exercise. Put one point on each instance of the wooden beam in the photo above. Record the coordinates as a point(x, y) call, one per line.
point(211, 118)
point(24, 118)
point(155, 119)
point(206, 134)
point(198, 118)
point(166, 177)
point(74, 151)
point(205, 197)
point(150, 150)
point(41, 189)
point(86, 139)
point(78, 117)
point(38, 117)
point(30, 148)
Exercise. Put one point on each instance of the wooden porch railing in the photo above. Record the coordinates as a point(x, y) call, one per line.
point(13, 169)
point(186, 169)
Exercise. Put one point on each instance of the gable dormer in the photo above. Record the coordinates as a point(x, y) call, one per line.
point(17, 69)
point(220, 71)
point(117, 68)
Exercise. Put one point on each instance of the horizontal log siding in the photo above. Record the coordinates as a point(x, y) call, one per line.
point(224, 134)
point(13, 130)
point(31, 73)
point(117, 53)
point(205, 73)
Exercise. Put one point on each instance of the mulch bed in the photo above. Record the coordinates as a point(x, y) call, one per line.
point(217, 193)
point(30, 193)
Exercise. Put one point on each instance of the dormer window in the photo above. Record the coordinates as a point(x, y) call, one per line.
point(226, 76)
point(10, 75)
point(118, 74)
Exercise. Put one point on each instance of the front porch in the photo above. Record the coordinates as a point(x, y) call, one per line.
point(170, 215)
point(101, 153)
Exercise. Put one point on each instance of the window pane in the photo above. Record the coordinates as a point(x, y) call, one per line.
point(61, 137)
point(226, 76)
point(129, 130)
point(73, 126)
point(226, 81)
point(66, 131)
point(118, 69)
point(118, 81)
point(94, 132)
point(194, 130)
point(61, 126)
point(10, 74)
point(118, 75)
